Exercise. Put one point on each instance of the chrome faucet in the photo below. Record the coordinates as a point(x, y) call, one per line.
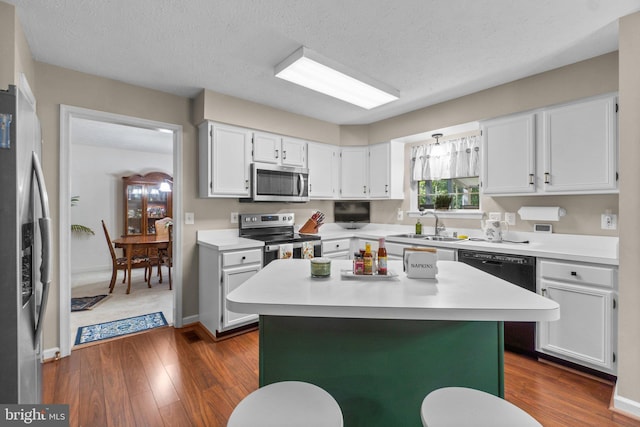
point(438, 226)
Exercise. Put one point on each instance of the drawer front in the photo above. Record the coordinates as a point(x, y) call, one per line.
point(578, 273)
point(241, 257)
point(335, 246)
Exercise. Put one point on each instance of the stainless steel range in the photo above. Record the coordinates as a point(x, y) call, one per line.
point(277, 231)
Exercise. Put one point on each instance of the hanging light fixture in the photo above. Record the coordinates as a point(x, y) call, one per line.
point(437, 136)
point(307, 68)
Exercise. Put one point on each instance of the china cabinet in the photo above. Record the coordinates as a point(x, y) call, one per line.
point(147, 199)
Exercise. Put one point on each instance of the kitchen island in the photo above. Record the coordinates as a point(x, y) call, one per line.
point(380, 346)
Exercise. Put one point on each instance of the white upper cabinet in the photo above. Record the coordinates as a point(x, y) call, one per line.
point(508, 160)
point(267, 147)
point(354, 176)
point(580, 150)
point(568, 149)
point(294, 152)
point(224, 160)
point(324, 170)
point(279, 150)
point(386, 170)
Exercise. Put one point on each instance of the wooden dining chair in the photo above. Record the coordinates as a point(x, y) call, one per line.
point(166, 256)
point(117, 263)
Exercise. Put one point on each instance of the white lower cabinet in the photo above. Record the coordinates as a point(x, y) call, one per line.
point(396, 251)
point(336, 248)
point(586, 331)
point(220, 272)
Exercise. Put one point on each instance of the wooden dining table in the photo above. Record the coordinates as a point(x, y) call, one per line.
point(132, 244)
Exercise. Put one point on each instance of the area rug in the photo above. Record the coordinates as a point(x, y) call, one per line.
point(86, 303)
point(117, 328)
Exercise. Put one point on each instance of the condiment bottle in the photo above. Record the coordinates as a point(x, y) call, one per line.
point(382, 257)
point(358, 264)
point(368, 259)
point(418, 227)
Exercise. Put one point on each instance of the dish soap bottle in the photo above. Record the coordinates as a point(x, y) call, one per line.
point(368, 259)
point(418, 227)
point(382, 257)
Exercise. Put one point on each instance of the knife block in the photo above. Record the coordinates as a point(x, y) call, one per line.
point(309, 227)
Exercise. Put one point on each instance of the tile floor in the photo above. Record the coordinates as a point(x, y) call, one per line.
point(119, 305)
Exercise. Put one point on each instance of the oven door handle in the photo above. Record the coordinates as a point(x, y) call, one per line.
point(297, 245)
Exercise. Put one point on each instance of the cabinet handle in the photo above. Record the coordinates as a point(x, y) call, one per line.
point(531, 181)
point(284, 155)
point(573, 273)
point(244, 257)
point(246, 184)
point(364, 189)
point(277, 154)
point(544, 292)
point(547, 178)
point(386, 188)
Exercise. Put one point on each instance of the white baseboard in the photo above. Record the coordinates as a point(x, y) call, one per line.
point(624, 404)
point(190, 319)
point(50, 353)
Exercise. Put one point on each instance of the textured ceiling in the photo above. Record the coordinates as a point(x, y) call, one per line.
point(430, 50)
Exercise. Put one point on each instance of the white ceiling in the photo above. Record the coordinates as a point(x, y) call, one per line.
point(121, 137)
point(430, 50)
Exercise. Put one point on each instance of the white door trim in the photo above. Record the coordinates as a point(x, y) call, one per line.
point(67, 114)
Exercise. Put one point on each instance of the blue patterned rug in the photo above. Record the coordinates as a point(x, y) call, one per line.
point(116, 328)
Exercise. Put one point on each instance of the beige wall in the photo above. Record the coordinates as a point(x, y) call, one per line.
point(7, 44)
point(210, 105)
point(629, 314)
point(587, 78)
point(57, 86)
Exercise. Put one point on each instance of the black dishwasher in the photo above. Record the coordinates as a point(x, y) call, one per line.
point(519, 270)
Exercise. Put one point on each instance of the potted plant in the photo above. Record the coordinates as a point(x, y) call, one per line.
point(442, 201)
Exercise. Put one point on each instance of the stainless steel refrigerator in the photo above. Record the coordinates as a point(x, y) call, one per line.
point(24, 247)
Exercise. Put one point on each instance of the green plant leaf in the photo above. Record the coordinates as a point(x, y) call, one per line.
point(76, 228)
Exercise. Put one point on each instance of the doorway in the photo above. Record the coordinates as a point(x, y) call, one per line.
point(125, 146)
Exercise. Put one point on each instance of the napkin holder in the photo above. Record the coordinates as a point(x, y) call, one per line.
point(420, 263)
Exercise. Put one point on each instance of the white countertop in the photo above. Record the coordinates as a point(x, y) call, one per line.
point(459, 292)
point(569, 247)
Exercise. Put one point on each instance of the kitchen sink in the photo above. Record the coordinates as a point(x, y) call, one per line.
point(427, 237)
point(442, 238)
point(410, 236)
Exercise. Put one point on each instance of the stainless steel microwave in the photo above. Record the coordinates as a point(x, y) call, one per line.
point(275, 183)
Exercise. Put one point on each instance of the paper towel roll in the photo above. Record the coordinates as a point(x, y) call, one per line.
point(541, 213)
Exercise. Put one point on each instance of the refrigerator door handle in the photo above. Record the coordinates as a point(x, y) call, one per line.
point(45, 233)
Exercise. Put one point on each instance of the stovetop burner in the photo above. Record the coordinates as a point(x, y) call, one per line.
point(272, 228)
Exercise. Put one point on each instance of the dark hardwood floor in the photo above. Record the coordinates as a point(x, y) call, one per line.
point(180, 377)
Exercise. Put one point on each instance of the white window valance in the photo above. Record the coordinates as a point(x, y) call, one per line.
point(456, 158)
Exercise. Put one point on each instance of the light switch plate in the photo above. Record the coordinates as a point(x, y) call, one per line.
point(400, 215)
point(234, 217)
point(189, 218)
point(495, 216)
point(510, 218)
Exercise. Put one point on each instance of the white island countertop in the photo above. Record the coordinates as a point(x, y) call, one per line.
point(459, 292)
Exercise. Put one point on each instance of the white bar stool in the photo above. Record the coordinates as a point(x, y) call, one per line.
point(287, 404)
point(460, 407)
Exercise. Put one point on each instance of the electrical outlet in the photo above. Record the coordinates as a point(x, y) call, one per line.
point(400, 215)
point(609, 221)
point(495, 216)
point(189, 218)
point(510, 217)
point(234, 217)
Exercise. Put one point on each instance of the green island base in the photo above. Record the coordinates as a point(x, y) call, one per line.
point(379, 370)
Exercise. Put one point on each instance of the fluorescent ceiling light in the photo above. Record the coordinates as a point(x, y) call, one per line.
point(310, 69)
